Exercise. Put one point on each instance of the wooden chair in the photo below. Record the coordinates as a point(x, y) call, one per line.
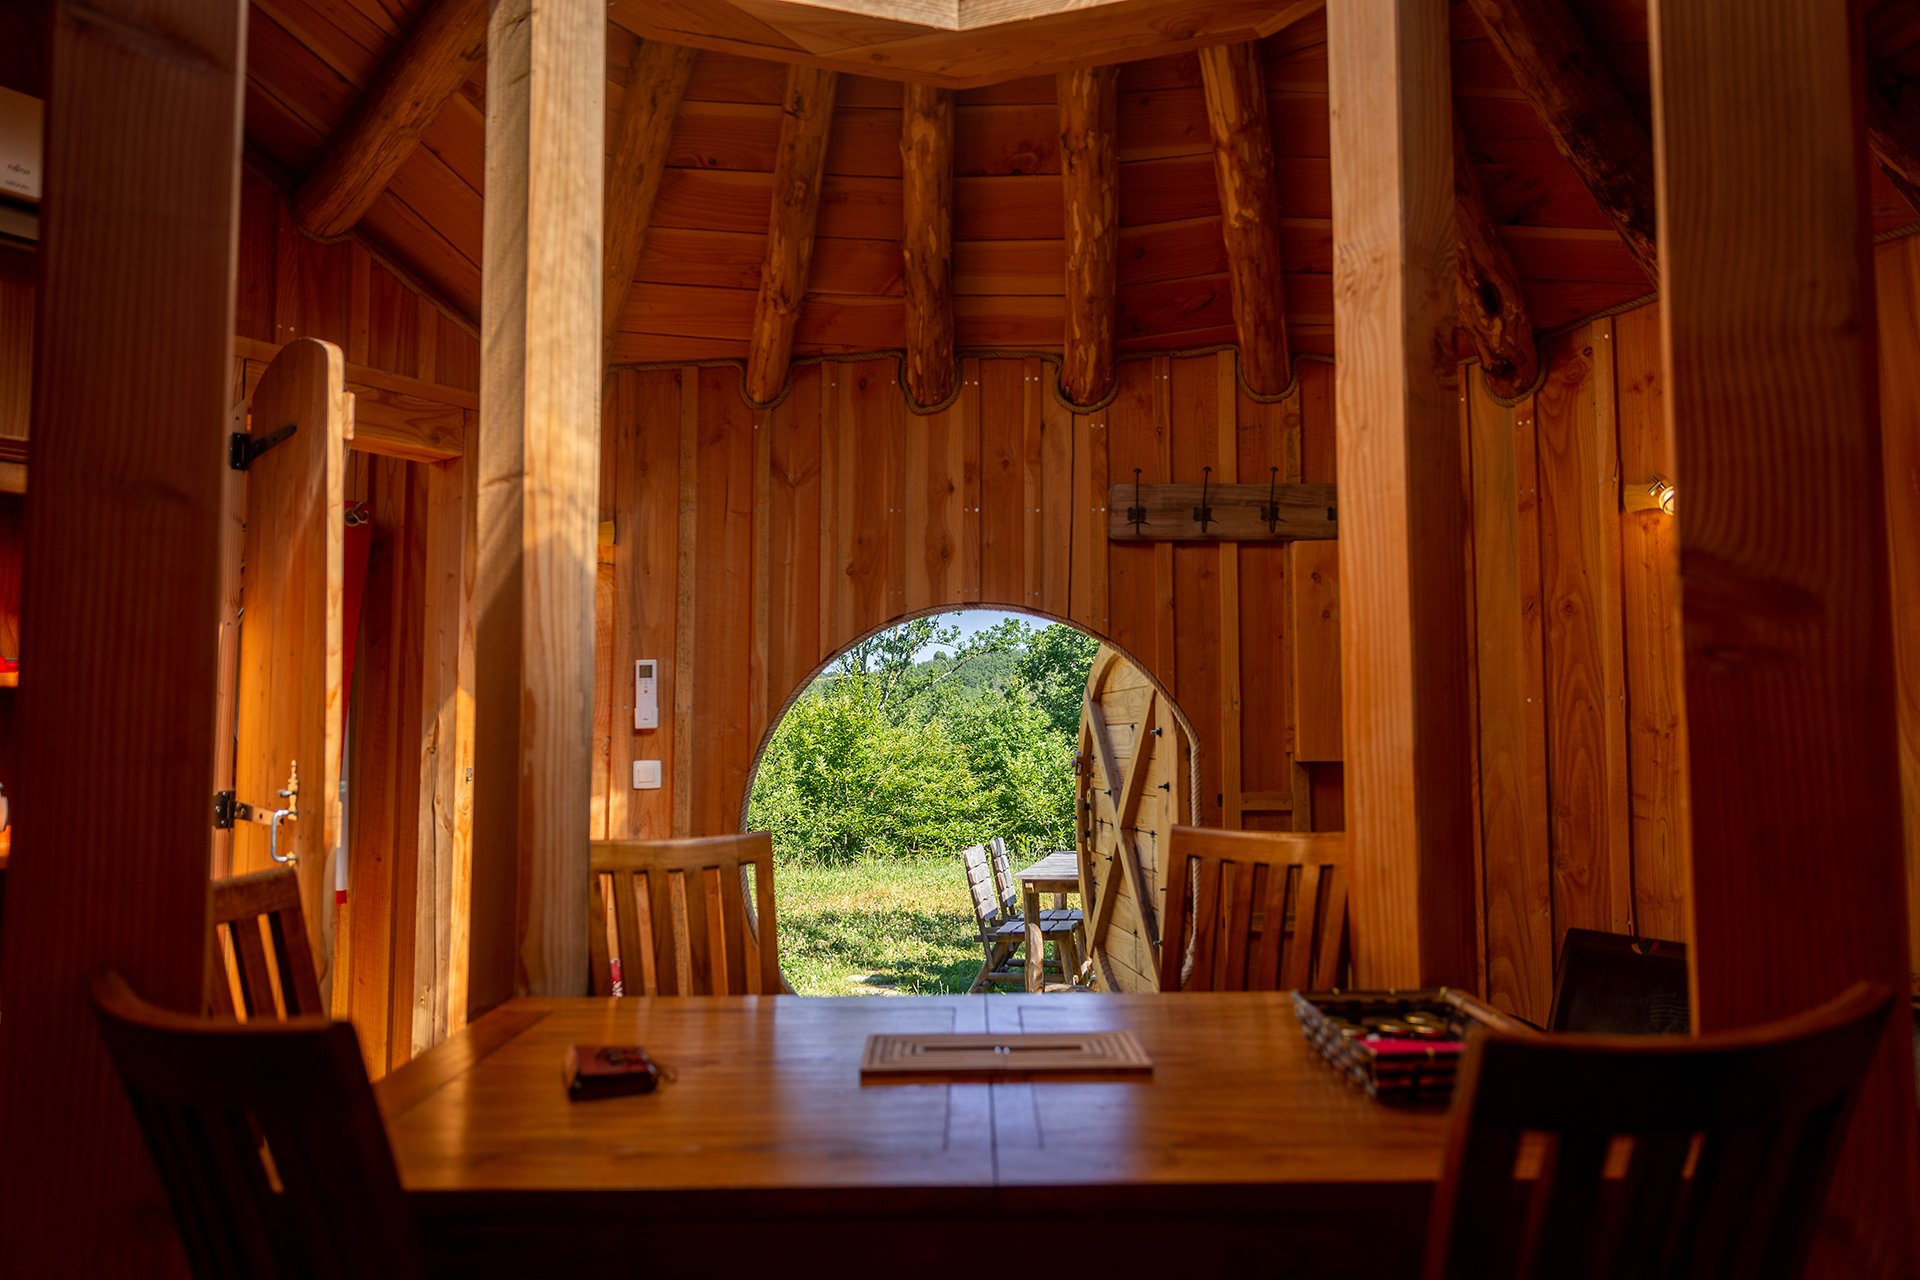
point(1613, 984)
point(1758, 1115)
point(1268, 911)
point(266, 1138)
point(1002, 936)
point(679, 923)
point(261, 936)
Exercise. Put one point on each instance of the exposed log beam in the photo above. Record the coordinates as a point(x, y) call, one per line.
point(1490, 306)
point(656, 81)
point(1090, 176)
point(1403, 623)
point(438, 56)
point(926, 165)
point(1575, 96)
point(1236, 91)
point(1770, 395)
point(538, 514)
point(797, 169)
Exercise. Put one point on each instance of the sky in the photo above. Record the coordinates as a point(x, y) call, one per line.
point(973, 621)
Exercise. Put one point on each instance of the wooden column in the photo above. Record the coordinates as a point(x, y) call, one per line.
point(1797, 879)
point(1403, 650)
point(538, 498)
point(1090, 176)
point(926, 198)
point(1236, 91)
point(122, 578)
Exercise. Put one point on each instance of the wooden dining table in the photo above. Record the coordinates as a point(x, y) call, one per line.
point(765, 1148)
point(1057, 873)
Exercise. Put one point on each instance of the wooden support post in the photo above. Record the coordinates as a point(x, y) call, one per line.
point(1236, 91)
point(538, 499)
point(656, 81)
point(797, 170)
point(1488, 300)
point(122, 579)
point(1575, 96)
point(1090, 174)
point(1402, 563)
point(926, 197)
point(438, 56)
point(1797, 876)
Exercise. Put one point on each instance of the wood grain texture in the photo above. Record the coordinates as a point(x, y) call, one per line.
point(656, 81)
point(1249, 211)
point(540, 463)
point(1572, 89)
point(1090, 192)
point(1407, 773)
point(926, 244)
point(1897, 275)
point(439, 55)
point(1770, 397)
point(807, 117)
point(1489, 301)
point(1650, 611)
point(122, 559)
point(1313, 632)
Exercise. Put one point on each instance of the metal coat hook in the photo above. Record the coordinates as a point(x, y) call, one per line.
point(1137, 513)
point(1204, 512)
point(1271, 511)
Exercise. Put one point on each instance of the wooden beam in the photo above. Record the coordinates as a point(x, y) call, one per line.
point(1575, 96)
point(1236, 91)
point(122, 579)
point(1893, 130)
point(797, 169)
point(656, 81)
point(1797, 878)
point(926, 165)
point(538, 513)
point(1409, 793)
point(1488, 300)
point(1090, 177)
point(438, 56)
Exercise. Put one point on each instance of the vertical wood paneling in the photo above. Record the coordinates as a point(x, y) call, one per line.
point(1586, 682)
point(1226, 411)
point(1650, 610)
point(1004, 402)
point(1089, 606)
point(1517, 895)
point(1054, 505)
point(1134, 600)
point(1196, 679)
point(1897, 268)
point(797, 533)
point(686, 634)
point(723, 514)
point(648, 498)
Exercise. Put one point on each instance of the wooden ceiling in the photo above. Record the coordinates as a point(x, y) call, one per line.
point(311, 63)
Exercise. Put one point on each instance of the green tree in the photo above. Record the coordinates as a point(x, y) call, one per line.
point(1054, 666)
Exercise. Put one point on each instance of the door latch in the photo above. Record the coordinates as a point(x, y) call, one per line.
point(227, 811)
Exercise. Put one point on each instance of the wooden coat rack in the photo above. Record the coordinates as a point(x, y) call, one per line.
point(1208, 512)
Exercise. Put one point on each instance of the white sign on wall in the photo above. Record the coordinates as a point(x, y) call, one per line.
point(20, 122)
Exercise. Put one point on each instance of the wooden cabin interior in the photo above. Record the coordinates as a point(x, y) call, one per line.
point(381, 380)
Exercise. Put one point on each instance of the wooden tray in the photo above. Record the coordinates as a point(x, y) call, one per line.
point(1019, 1055)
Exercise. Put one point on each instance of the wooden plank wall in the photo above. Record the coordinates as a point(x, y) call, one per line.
point(750, 548)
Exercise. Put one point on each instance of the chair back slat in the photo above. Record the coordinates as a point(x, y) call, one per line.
point(261, 936)
point(1760, 1113)
point(682, 920)
point(267, 1140)
point(1004, 886)
point(1253, 910)
point(980, 886)
point(600, 927)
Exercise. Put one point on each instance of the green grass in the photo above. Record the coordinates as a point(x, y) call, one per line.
point(899, 927)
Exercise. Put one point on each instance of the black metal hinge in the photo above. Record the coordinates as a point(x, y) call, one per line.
point(243, 449)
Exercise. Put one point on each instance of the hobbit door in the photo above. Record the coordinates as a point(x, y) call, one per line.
point(289, 685)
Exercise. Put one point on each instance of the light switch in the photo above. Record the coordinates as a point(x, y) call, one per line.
point(646, 775)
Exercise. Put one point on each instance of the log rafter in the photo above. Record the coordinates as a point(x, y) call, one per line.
point(1556, 67)
point(656, 82)
point(797, 170)
point(926, 247)
point(1489, 304)
point(435, 60)
point(1090, 178)
point(1236, 96)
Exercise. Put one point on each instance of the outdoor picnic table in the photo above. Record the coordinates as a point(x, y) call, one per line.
point(1058, 873)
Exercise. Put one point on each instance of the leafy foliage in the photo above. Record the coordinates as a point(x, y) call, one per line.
point(900, 752)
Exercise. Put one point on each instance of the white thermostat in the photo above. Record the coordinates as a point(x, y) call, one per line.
point(646, 694)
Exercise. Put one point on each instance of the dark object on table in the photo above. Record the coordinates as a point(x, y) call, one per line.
point(1400, 1046)
point(266, 1138)
point(608, 1071)
point(1758, 1114)
point(1613, 984)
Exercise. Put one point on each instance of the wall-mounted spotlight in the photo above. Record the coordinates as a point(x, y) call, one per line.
point(1657, 494)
